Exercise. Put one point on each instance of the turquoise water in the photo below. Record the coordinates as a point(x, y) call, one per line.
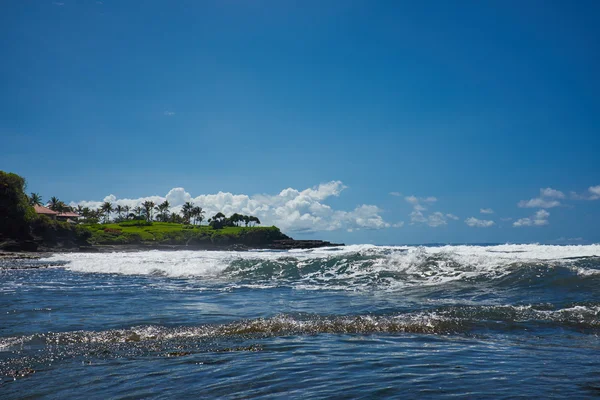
point(353, 322)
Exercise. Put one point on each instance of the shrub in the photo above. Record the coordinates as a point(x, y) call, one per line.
point(15, 211)
point(136, 222)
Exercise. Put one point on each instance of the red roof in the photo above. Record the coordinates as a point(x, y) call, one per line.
point(69, 214)
point(44, 210)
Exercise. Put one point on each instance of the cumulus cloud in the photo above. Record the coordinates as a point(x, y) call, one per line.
point(292, 210)
point(539, 203)
point(547, 199)
point(593, 193)
point(169, 113)
point(434, 219)
point(478, 223)
point(397, 194)
point(540, 218)
point(417, 216)
point(552, 193)
point(418, 200)
point(486, 211)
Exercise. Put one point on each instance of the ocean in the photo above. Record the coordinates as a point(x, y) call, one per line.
point(348, 322)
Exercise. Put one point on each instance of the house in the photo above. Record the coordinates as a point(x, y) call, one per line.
point(41, 210)
point(68, 216)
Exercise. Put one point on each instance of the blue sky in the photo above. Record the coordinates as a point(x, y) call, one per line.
point(477, 104)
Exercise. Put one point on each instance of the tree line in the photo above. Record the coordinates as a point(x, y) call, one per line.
point(148, 211)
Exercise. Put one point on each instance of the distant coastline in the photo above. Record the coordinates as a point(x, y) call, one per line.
point(29, 225)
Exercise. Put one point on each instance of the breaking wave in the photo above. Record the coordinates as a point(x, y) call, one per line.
point(360, 267)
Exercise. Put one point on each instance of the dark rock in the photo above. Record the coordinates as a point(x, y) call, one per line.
point(288, 244)
point(24, 245)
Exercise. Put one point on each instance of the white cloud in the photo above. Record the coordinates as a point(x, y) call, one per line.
point(169, 113)
point(417, 200)
point(291, 209)
point(538, 203)
point(434, 219)
point(547, 199)
point(540, 218)
point(553, 193)
point(178, 196)
point(478, 223)
point(397, 194)
point(593, 193)
point(486, 211)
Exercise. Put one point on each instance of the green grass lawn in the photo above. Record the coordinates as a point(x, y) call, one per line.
point(171, 233)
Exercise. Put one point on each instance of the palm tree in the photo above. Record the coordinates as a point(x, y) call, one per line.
point(126, 210)
point(176, 218)
point(163, 210)
point(138, 211)
point(198, 214)
point(119, 210)
point(54, 203)
point(35, 199)
point(106, 209)
point(85, 212)
point(148, 207)
point(186, 210)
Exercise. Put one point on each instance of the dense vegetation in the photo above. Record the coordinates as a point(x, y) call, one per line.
point(15, 212)
point(147, 224)
point(22, 229)
point(137, 232)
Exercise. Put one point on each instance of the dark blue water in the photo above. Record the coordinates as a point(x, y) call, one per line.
point(358, 322)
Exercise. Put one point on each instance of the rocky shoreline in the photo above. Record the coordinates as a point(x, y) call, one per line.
point(16, 250)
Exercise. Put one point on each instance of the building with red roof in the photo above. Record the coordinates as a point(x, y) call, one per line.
point(62, 216)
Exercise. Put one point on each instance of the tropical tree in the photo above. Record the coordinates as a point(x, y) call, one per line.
point(198, 214)
point(186, 210)
point(255, 220)
point(235, 218)
point(85, 212)
point(119, 209)
point(218, 220)
point(126, 210)
point(35, 199)
point(54, 204)
point(138, 211)
point(148, 208)
point(176, 218)
point(163, 211)
point(106, 208)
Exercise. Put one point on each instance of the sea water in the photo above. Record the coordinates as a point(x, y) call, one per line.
point(347, 322)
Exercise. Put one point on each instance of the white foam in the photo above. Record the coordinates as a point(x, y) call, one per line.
point(358, 266)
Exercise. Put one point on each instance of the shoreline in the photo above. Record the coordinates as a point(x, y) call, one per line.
point(286, 244)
